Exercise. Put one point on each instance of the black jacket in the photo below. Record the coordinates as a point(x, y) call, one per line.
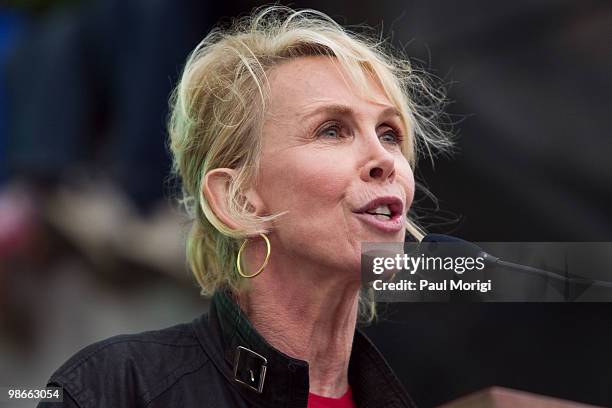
point(218, 361)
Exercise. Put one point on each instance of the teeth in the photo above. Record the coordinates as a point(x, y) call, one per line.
point(382, 209)
point(381, 217)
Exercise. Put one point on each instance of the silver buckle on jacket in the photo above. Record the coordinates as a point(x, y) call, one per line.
point(250, 368)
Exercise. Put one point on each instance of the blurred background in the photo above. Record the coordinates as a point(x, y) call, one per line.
point(91, 244)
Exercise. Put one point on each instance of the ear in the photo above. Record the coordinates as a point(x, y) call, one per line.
point(216, 189)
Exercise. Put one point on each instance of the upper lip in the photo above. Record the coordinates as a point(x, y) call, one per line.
point(395, 204)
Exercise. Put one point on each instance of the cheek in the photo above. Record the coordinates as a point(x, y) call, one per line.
point(406, 180)
point(312, 190)
point(309, 185)
point(318, 186)
point(410, 189)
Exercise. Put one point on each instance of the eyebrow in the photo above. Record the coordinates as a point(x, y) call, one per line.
point(346, 110)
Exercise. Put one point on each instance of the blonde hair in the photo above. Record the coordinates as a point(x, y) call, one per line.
point(217, 112)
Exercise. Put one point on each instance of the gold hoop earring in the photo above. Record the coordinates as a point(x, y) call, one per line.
point(265, 262)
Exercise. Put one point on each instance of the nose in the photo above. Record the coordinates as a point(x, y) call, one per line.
point(379, 163)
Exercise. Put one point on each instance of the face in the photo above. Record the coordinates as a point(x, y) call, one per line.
point(332, 159)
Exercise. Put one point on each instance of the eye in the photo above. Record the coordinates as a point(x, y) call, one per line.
point(392, 136)
point(332, 131)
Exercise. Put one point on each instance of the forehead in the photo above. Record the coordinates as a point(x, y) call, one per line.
point(303, 83)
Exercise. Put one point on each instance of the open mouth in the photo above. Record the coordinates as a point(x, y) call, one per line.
point(383, 213)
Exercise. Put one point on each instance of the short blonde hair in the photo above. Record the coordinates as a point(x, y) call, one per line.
point(217, 112)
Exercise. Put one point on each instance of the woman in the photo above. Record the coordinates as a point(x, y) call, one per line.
point(295, 142)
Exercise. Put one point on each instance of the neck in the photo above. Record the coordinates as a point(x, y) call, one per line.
point(307, 313)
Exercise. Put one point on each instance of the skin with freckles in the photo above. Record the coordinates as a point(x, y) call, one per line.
point(326, 152)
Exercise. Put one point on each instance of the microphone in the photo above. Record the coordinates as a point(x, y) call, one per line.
point(467, 248)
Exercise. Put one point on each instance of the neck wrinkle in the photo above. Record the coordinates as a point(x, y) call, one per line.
point(308, 321)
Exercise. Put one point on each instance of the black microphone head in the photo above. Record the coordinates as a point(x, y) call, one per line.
point(465, 247)
point(441, 238)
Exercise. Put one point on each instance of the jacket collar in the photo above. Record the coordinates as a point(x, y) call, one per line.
point(266, 377)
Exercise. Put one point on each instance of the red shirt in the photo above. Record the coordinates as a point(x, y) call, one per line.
point(345, 401)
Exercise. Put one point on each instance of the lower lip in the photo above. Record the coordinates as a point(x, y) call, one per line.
point(393, 224)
